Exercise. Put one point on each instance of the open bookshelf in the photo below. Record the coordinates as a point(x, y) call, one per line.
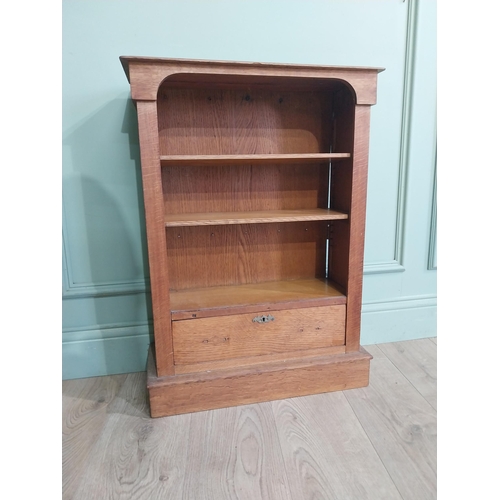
point(254, 179)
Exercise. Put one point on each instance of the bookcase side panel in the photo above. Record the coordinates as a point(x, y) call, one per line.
point(341, 185)
point(357, 227)
point(155, 227)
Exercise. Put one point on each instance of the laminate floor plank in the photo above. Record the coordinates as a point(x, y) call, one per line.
point(136, 457)
point(327, 453)
point(434, 339)
point(234, 453)
point(84, 411)
point(401, 425)
point(374, 443)
point(417, 361)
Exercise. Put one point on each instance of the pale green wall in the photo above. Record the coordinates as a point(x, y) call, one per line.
point(106, 310)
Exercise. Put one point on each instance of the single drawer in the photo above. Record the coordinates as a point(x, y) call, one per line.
point(240, 335)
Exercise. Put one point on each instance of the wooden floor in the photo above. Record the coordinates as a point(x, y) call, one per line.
point(373, 443)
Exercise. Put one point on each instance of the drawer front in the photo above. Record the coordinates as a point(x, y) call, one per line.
point(240, 335)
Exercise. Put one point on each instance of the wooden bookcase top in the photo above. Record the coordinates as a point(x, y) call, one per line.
point(126, 60)
point(146, 74)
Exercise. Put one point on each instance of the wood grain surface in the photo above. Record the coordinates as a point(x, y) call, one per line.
point(134, 458)
point(157, 248)
point(238, 158)
point(357, 226)
point(401, 425)
point(205, 256)
point(147, 74)
point(253, 217)
point(244, 188)
point(302, 448)
point(263, 359)
point(235, 453)
point(249, 159)
point(247, 121)
point(417, 361)
point(84, 414)
point(239, 335)
point(341, 187)
point(217, 389)
point(236, 299)
point(328, 454)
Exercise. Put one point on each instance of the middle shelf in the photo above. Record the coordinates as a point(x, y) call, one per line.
point(252, 217)
point(250, 159)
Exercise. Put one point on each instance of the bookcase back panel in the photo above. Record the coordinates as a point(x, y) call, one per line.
point(243, 121)
point(203, 256)
point(244, 187)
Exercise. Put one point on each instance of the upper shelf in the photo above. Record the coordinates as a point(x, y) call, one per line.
point(210, 160)
point(251, 217)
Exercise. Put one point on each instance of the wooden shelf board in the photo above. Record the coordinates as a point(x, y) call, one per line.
point(288, 159)
point(254, 297)
point(251, 217)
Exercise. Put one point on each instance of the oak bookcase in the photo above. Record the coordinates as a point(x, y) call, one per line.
point(254, 179)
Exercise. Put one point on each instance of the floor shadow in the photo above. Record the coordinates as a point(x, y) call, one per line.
point(132, 399)
point(124, 394)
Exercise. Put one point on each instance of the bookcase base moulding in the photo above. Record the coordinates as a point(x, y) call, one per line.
point(254, 179)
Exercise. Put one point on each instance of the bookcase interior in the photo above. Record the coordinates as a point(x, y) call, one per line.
point(236, 123)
